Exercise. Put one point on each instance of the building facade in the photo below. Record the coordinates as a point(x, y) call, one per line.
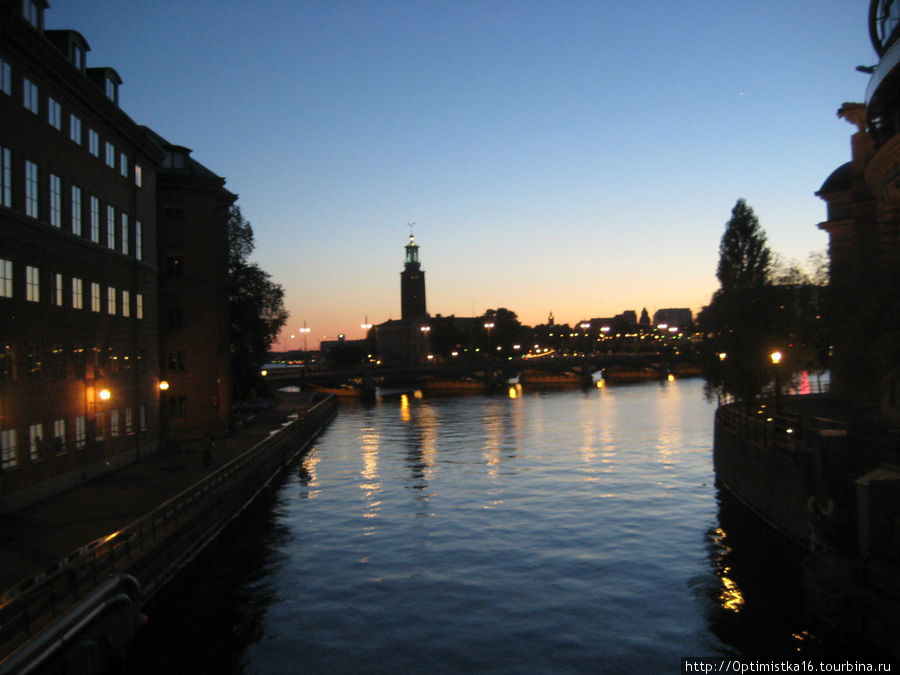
point(863, 224)
point(412, 284)
point(85, 193)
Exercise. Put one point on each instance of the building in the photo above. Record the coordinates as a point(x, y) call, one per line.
point(89, 218)
point(863, 198)
point(405, 341)
point(673, 317)
point(412, 284)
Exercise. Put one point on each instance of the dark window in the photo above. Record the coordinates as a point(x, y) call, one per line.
point(58, 362)
point(177, 406)
point(35, 362)
point(176, 361)
point(7, 363)
point(174, 266)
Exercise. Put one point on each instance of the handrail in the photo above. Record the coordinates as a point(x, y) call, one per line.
point(87, 566)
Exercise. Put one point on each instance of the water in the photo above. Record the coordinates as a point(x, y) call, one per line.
point(572, 531)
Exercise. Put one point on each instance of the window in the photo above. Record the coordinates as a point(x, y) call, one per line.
point(7, 363)
point(9, 453)
point(176, 362)
point(110, 300)
point(113, 423)
point(138, 175)
point(142, 416)
point(5, 78)
point(129, 422)
point(110, 155)
point(110, 227)
point(126, 303)
point(31, 12)
point(6, 278)
point(59, 436)
point(32, 284)
point(35, 362)
point(139, 305)
point(76, 210)
point(30, 96)
point(80, 431)
point(78, 362)
point(58, 362)
point(58, 289)
point(54, 113)
point(174, 267)
point(31, 189)
point(77, 293)
point(78, 57)
point(111, 89)
point(93, 143)
point(55, 201)
point(35, 439)
point(138, 240)
point(5, 177)
point(125, 235)
point(95, 297)
point(123, 164)
point(75, 128)
point(95, 220)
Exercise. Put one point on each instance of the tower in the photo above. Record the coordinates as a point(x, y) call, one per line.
point(412, 284)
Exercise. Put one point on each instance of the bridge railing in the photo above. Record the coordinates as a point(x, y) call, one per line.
point(29, 606)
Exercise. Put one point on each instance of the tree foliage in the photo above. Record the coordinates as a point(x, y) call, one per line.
point(762, 306)
point(257, 308)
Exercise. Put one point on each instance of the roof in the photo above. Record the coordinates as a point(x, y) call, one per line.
point(840, 179)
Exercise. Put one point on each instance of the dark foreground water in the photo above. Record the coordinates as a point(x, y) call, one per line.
point(572, 531)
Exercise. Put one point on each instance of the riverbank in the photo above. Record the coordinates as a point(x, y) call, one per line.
point(66, 545)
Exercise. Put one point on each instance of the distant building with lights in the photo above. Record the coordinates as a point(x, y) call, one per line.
point(96, 216)
point(677, 317)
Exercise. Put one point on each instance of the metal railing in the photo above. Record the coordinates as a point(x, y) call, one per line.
point(27, 607)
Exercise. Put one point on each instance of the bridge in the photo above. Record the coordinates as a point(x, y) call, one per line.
point(487, 373)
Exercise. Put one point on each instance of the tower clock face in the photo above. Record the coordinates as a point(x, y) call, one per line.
point(884, 18)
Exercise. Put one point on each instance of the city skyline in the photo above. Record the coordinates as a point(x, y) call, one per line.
point(580, 158)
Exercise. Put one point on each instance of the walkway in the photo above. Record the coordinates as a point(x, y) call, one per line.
point(38, 537)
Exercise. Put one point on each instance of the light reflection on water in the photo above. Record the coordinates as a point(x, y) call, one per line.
point(573, 531)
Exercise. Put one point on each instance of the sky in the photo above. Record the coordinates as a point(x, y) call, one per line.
point(561, 155)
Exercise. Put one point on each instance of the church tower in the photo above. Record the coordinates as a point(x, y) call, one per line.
point(412, 284)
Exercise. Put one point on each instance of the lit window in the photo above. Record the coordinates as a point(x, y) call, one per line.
point(123, 164)
point(35, 439)
point(126, 303)
point(95, 297)
point(110, 300)
point(80, 431)
point(6, 278)
point(31, 189)
point(5, 177)
point(54, 113)
point(58, 289)
point(139, 305)
point(30, 96)
point(125, 234)
point(32, 284)
point(111, 227)
point(5, 78)
point(113, 423)
point(55, 201)
point(138, 241)
point(138, 175)
point(95, 220)
point(9, 453)
point(110, 155)
point(77, 293)
point(59, 436)
point(76, 210)
point(75, 129)
point(93, 143)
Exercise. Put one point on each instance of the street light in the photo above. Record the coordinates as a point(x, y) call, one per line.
point(776, 359)
point(305, 332)
point(104, 394)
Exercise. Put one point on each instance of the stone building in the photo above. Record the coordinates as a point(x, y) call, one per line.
point(863, 198)
point(84, 194)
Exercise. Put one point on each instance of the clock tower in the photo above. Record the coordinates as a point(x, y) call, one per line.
point(412, 284)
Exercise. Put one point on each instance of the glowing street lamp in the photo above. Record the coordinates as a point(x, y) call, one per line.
point(164, 386)
point(104, 394)
point(776, 359)
point(305, 332)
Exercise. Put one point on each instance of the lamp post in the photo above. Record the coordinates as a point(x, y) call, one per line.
point(305, 332)
point(425, 332)
point(776, 360)
point(489, 325)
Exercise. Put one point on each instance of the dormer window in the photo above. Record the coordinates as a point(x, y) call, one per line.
point(77, 57)
point(112, 90)
point(33, 12)
point(174, 159)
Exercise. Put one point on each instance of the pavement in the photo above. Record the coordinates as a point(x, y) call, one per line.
point(37, 537)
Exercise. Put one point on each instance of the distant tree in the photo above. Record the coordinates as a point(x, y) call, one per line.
point(744, 258)
point(506, 331)
point(257, 308)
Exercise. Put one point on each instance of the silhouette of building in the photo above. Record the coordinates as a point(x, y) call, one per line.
point(88, 224)
point(412, 284)
point(673, 317)
point(863, 198)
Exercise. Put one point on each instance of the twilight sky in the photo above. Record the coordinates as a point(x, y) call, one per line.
point(580, 157)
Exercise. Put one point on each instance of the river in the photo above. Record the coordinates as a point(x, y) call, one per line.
point(559, 531)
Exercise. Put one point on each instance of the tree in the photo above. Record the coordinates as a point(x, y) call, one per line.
point(257, 308)
point(744, 258)
point(504, 332)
